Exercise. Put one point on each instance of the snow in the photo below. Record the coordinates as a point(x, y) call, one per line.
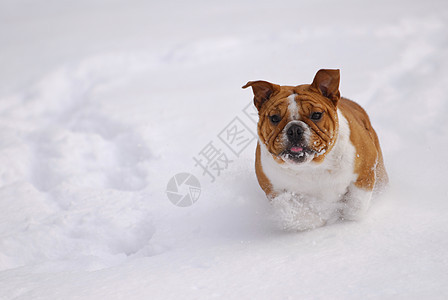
point(103, 102)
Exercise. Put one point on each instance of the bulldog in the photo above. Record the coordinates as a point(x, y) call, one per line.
point(318, 159)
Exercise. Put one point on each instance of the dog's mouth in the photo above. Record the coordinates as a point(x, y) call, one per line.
point(296, 154)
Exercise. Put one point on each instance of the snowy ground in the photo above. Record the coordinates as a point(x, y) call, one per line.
point(102, 102)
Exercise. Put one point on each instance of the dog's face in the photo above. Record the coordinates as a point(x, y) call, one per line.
point(298, 124)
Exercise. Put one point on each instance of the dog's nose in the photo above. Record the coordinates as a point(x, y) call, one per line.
point(294, 133)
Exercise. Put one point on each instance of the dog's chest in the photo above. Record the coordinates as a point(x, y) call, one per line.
point(324, 184)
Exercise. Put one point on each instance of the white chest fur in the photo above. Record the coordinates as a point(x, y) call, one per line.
point(319, 187)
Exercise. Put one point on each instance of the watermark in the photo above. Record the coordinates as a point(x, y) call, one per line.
point(236, 136)
point(215, 157)
point(212, 161)
point(183, 189)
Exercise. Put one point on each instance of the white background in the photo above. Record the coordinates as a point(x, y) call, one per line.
point(102, 102)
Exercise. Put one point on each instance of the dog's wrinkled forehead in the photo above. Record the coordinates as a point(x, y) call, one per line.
point(280, 103)
point(293, 103)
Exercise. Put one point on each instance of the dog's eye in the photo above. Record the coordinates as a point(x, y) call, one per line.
point(316, 116)
point(275, 119)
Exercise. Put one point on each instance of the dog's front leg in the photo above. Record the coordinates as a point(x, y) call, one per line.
point(296, 212)
point(355, 203)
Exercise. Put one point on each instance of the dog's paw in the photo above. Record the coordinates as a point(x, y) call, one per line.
point(356, 203)
point(295, 213)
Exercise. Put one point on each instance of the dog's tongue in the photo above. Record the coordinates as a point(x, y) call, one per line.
point(296, 149)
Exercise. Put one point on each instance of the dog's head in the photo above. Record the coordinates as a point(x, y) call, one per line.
point(298, 124)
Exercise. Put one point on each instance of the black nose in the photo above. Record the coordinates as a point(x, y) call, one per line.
point(294, 133)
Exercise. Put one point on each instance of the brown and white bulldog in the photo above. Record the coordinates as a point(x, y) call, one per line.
point(318, 158)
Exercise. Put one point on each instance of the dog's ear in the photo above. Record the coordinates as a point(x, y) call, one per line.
point(263, 90)
point(326, 82)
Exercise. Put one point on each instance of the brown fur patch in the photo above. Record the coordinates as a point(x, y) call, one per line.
point(263, 180)
point(369, 164)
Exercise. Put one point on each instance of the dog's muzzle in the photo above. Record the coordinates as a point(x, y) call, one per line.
point(296, 142)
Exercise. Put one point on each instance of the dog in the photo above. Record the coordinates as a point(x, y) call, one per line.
point(318, 159)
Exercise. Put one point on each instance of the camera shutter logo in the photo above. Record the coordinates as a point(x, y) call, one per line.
point(183, 189)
